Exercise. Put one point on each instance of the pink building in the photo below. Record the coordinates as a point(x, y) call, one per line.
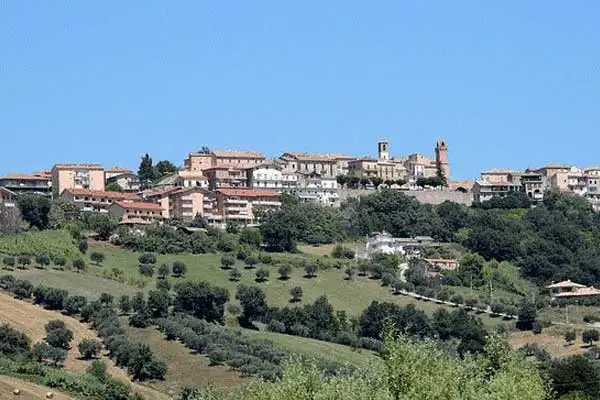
point(95, 200)
point(136, 213)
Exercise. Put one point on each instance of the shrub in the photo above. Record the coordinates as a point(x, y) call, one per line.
point(443, 295)
point(146, 270)
point(106, 299)
point(79, 265)
point(471, 303)
point(44, 352)
point(60, 261)
point(7, 282)
point(43, 260)
point(349, 273)
point(310, 271)
point(457, 299)
point(23, 289)
point(296, 294)
point(179, 269)
point(9, 262)
point(164, 271)
point(284, 271)
point(147, 258)
point(24, 261)
point(342, 252)
point(98, 369)
point(97, 257)
point(589, 336)
point(363, 268)
point(74, 304)
point(234, 309)
point(536, 328)
point(83, 246)
point(227, 261)
point(125, 304)
point(262, 275)
point(89, 348)
point(591, 318)
point(387, 279)
point(251, 261)
point(235, 275)
point(163, 284)
point(277, 326)
point(497, 307)
point(570, 336)
point(398, 286)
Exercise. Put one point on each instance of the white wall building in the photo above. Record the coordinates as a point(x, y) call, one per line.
point(314, 188)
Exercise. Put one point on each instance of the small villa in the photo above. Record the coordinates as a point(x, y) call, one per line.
point(568, 289)
point(442, 263)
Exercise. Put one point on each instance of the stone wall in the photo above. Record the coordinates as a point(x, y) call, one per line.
point(423, 196)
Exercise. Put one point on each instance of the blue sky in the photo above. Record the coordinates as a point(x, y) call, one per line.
point(507, 84)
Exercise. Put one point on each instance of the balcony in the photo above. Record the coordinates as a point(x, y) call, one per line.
point(267, 203)
point(236, 201)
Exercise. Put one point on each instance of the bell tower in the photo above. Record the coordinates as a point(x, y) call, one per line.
point(441, 159)
point(383, 149)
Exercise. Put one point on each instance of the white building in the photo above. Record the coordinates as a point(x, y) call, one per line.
point(266, 176)
point(314, 188)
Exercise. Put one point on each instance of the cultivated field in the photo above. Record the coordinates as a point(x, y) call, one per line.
point(28, 390)
point(551, 340)
point(30, 319)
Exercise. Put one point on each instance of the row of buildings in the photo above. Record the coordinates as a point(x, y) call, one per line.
point(534, 182)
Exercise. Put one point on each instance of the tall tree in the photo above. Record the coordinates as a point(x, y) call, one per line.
point(146, 171)
point(34, 209)
point(163, 168)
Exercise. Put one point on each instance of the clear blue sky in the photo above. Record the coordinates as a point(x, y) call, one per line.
point(507, 83)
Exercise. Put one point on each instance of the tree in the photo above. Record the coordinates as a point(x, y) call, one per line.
point(590, 336)
point(341, 180)
point(363, 268)
point(43, 260)
point(24, 261)
point(164, 271)
point(10, 219)
point(97, 369)
point(387, 279)
point(163, 284)
point(158, 303)
point(376, 181)
point(23, 289)
point(83, 246)
point(179, 269)
point(262, 275)
point(60, 262)
point(89, 348)
point(106, 299)
point(147, 258)
point(125, 304)
point(250, 237)
point(146, 270)
point(58, 335)
point(310, 270)
point(146, 171)
point(201, 300)
point(235, 275)
point(9, 262)
point(227, 261)
point(575, 374)
point(251, 261)
point(74, 304)
point(79, 265)
point(34, 209)
point(97, 257)
point(163, 168)
point(284, 271)
point(143, 366)
point(113, 186)
point(45, 352)
point(253, 302)
point(570, 336)
point(13, 342)
point(527, 314)
point(138, 303)
point(104, 225)
point(296, 294)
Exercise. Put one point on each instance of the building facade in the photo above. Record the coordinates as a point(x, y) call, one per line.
point(114, 171)
point(305, 163)
point(240, 205)
point(266, 176)
point(136, 214)
point(95, 200)
point(25, 183)
point(225, 176)
point(77, 176)
point(317, 189)
point(127, 181)
point(201, 161)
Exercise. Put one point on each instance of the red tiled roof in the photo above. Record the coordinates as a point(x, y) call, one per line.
point(565, 284)
point(9, 192)
point(226, 166)
point(248, 193)
point(309, 156)
point(75, 166)
point(139, 205)
point(101, 193)
point(26, 177)
point(585, 291)
point(238, 154)
point(158, 192)
point(116, 168)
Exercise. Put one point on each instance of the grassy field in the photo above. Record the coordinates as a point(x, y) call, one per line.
point(551, 339)
point(350, 295)
point(28, 390)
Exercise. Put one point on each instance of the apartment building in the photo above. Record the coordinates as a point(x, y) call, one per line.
point(191, 179)
point(420, 166)
point(114, 171)
point(270, 176)
point(127, 181)
point(317, 189)
point(135, 213)
point(484, 190)
point(225, 176)
point(386, 170)
point(27, 183)
point(77, 176)
point(240, 205)
point(96, 200)
point(306, 163)
point(200, 161)
point(8, 198)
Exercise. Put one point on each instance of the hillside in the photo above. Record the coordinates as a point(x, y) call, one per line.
point(28, 390)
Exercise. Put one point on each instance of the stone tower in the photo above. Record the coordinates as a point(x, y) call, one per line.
point(441, 159)
point(383, 149)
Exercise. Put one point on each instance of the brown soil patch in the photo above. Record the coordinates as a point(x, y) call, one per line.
point(31, 319)
point(28, 390)
point(551, 341)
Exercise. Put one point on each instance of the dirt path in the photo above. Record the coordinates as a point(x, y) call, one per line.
point(30, 319)
point(28, 390)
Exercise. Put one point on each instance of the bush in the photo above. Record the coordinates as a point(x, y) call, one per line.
point(235, 275)
point(277, 326)
point(387, 279)
point(24, 261)
point(44, 352)
point(23, 289)
point(227, 261)
point(284, 271)
point(589, 336)
point(349, 273)
point(9, 262)
point(43, 260)
point(296, 294)
point(60, 261)
point(146, 270)
point(310, 271)
point(7, 282)
point(591, 318)
point(251, 262)
point(97, 257)
point(74, 304)
point(98, 369)
point(147, 258)
point(58, 335)
point(471, 303)
point(125, 304)
point(570, 336)
point(164, 271)
point(163, 284)
point(457, 299)
point(497, 307)
point(89, 348)
point(106, 299)
point(342, 252)
point(179, 269)
point(83, 246)
point(262, 275)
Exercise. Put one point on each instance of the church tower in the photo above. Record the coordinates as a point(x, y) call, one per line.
point(383, 149)
point(441, 159)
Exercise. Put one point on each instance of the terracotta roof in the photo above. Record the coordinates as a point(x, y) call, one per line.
point(191, 174)
point(26, 177)
point(157, 192)
point(117, 169)
point(565, 284)
point(248, 193)
point(83, 165)
point(101, 193)
point(238, 154)
point(585, 291)
point(139, 205)
point(225, 166)
point(5, 190)
point(309, 156)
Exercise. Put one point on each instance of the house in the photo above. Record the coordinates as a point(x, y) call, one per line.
point(240, 205)
point(485, 190)
point(200, 161)
point(127, 181)
point(27, 183)
point(323, 164)
point(314, 188)
point(386, 170)
point(135, 213)
point(77, 176)
point(568, 289)
point(8, 198)
point(381, 243)
point(188, 179)
point(114, 171)
point(225, 176)
point(96, 200)
point(268, 176)
point(442, 263)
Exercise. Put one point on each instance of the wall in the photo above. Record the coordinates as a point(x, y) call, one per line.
point(423, 196)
